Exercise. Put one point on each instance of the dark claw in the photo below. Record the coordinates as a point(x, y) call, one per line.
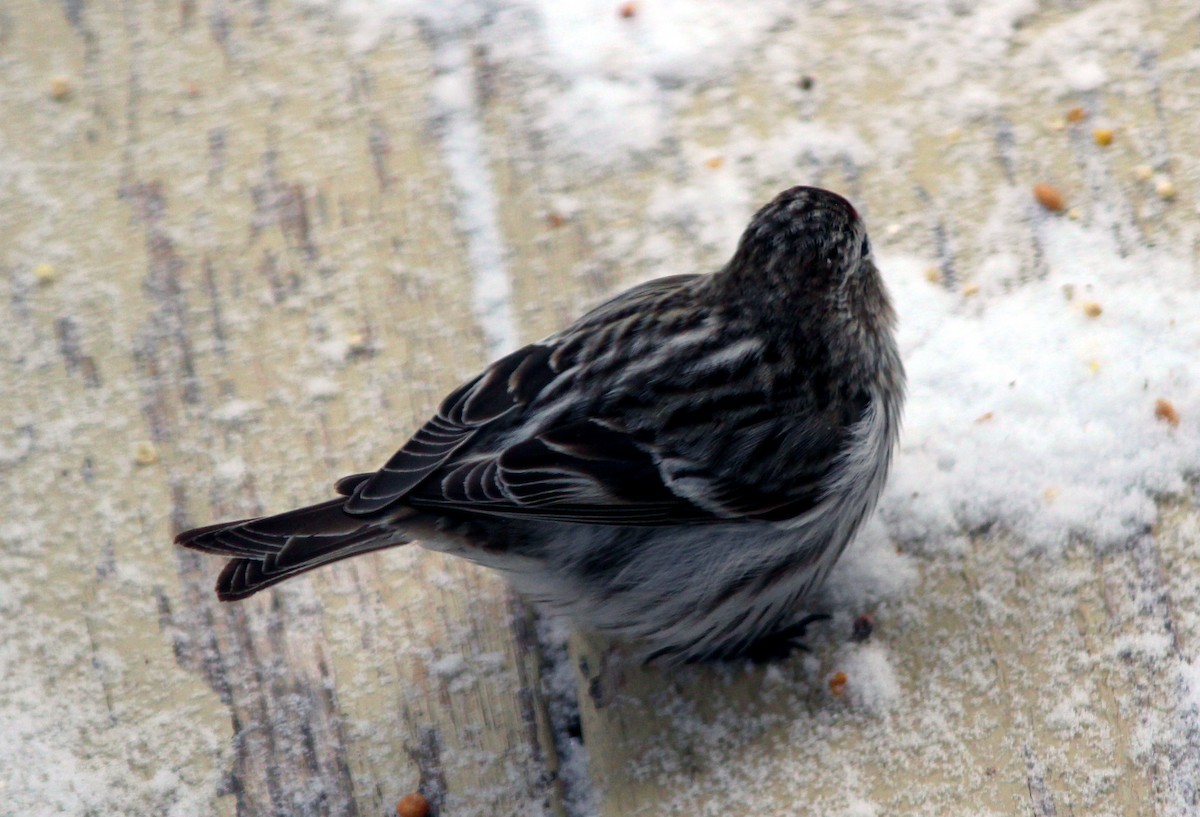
point(782, 643)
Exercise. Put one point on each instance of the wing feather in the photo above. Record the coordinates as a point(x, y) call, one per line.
point(502, 389)
point(570, 429)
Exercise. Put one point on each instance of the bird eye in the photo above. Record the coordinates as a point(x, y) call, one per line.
point(865, 249)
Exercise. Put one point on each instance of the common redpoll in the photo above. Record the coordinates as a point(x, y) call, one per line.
point(679, 468)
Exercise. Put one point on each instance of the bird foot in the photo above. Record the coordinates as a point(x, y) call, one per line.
point(782, 643)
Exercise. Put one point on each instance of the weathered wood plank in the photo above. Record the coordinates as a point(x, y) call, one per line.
point(257, 287)
point(1023, 686)
point(255, 283)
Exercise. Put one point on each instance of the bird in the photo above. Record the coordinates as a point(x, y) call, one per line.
point(679, 469)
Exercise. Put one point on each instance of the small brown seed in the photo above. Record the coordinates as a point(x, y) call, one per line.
point(412, 805)
point(60, 88)
point(837, 684)
point(1165, 410)
point(864, 625)
point(1049, 197)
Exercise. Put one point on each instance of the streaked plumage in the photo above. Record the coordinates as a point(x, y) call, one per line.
point(679, 468)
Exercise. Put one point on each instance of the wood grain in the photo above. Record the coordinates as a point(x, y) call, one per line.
point(235, 272)
point(240, 237)
point(1025, 688)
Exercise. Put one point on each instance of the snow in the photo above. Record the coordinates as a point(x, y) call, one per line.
point(1025, 411)
point(465, 155)
point(1033, 395)
point(1190, 675)
point(871, 683)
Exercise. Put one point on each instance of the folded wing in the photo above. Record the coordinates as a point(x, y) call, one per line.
point(544, 433)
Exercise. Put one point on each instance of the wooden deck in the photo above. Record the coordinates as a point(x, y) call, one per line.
point(236, 271)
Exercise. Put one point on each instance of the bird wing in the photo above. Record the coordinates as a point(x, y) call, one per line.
point(601, 424)
point(589, 472)
point(498, 392)
point(493, 400)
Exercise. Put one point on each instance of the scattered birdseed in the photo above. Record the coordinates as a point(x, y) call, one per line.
point(1165, 410)
point(1049, 197)
point(863, 626)
point(1165, 189)
point(144, 453)
point(837, 684)
point(412, 805)
point(45, 273)
point(60, 88)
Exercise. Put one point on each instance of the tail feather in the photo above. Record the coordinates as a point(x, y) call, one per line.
point(270, 549)
point(205, 539)
point(346, 485)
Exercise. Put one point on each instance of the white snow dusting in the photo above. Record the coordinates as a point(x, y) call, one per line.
point(1025, 411)
point(463, 149)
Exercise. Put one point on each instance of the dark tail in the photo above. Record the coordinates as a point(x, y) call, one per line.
point(273, 548)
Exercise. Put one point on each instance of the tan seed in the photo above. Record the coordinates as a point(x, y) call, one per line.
point(45, 273)
point(837, 684)
point(1049, 197)
point(144, 453)
point(60, 88)
point(1165, 410)
point(1165, 189)
point(412, 805)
